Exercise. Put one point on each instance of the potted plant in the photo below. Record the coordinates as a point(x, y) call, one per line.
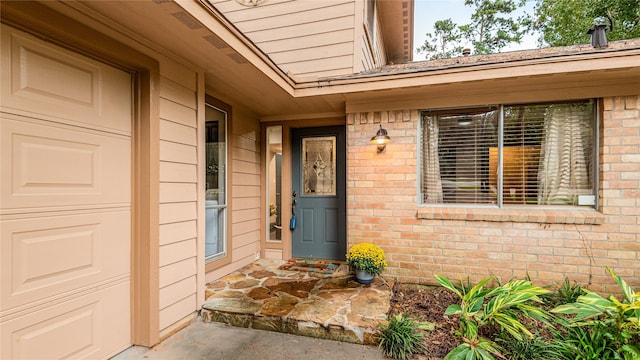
point(367, 260)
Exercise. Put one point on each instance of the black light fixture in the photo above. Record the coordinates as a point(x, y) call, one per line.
point(381, 139)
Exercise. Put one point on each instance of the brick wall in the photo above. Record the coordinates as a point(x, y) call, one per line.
point(382, 208)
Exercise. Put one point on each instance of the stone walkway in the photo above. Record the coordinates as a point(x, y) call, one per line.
point(333, 307)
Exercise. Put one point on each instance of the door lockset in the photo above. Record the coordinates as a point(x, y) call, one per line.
point(292, 222)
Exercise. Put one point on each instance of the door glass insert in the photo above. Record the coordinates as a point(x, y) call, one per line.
point(319, 165)
point(216, 181)
point(274, 181)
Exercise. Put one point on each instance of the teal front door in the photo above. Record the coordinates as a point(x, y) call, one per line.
point(318, 189)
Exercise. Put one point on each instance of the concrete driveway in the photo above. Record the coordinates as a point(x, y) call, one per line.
point(211, 341)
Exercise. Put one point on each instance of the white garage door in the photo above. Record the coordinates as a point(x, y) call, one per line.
point(65, 211)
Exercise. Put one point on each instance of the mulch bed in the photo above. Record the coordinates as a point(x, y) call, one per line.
point(428, 303)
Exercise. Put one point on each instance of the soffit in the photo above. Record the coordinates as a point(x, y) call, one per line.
point(233, 71)
point(396, 18)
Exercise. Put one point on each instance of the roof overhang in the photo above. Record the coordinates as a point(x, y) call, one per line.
point(236, 71)
point(526, 76)
point(396, 17)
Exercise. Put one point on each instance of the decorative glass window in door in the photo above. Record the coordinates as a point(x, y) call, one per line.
point(274, 183)
point(216, 181)
point(319, 165)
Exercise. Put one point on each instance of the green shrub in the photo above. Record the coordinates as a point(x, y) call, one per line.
point(535, 348)
point(401, 337)
point(609, 322)
point(565, 293)
point(585, 343)
point(498, 306)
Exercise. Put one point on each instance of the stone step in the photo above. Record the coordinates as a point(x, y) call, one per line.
point(329, 307)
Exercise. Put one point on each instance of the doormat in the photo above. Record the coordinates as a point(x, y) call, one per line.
point(327, 267)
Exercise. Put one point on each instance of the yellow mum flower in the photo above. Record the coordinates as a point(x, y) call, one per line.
point(367, 257)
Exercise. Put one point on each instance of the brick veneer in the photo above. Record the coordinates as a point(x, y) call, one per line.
point(420, 241)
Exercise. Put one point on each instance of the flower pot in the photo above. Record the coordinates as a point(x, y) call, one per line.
point(364, 277)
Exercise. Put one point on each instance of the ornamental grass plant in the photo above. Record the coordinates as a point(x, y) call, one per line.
point(366, 257)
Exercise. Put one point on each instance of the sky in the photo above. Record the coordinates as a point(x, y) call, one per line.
point(427, 12)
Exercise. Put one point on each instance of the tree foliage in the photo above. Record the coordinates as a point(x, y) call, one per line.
point(492, 28)
point(444, 42)
point(565, 22)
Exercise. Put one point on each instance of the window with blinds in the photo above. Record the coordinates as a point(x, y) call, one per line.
point(511, 155)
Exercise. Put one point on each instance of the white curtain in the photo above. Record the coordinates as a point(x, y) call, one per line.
point(563, 172)
point(432, 182)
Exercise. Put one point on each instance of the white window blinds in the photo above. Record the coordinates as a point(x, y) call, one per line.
point(533, 154)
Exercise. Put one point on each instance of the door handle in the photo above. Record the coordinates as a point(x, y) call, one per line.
point(292, 223)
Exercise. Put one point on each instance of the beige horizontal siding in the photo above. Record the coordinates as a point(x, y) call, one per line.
point(177, 212)
point(326, 52)
point(247, 190)
point(177, 133)
point(373, 55)
point(177, 251)
point(178, 194)
point(321, 67)
point(179, 113)
point(245, 227)
point(300, 35)
point(177, 311)
point(308, 41)
point(180, 153)
point(245, 179)
point(286, 20)
point(295, 33)
point(169, 293)
point(177, 231)
point(176, 271)
point(271, 8)
point(178, 172)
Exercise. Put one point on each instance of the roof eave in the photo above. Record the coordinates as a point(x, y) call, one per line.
point(396, 18)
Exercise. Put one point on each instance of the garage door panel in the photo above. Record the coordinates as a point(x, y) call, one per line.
point(65, 214)
point(50, 256)
point(57, 84)
point(74, 329)
point(56, 165)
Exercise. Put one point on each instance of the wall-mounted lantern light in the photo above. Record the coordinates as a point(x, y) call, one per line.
point(381, 139)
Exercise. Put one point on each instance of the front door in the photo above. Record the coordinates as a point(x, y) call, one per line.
point(318, 189)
